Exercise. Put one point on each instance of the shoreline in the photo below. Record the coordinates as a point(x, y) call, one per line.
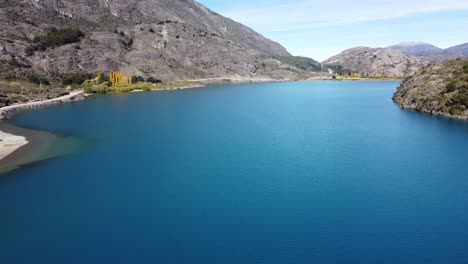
point(39, 143)
point(350, 79)
point(9, 143)
point(13, 140)
point(205, 81)
point(6, 111)
point(17, 145)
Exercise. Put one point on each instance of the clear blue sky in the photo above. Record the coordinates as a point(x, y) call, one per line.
point(322, 28)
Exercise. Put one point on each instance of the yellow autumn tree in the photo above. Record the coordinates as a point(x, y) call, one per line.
point(356, 75)
point(119, 77)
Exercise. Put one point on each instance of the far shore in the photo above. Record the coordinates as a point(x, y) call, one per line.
point(237, 79)
point(351, 79)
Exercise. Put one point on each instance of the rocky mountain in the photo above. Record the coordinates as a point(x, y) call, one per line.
point(376, 61)
point(439, 89)
point(167, 39)
point(430, 52)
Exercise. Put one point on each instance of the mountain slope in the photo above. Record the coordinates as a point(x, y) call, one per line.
point(440, 89)
point(168, 39)
point(376, 61)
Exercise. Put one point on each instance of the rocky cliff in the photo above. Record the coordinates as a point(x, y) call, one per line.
point(167, 39)
point(440, 89)
point(376, 61)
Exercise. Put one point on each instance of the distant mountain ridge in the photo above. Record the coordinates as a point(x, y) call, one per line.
point(167, 39)
point(462, 48)
point(416, 48)
point(430, 52)
point(366, 60)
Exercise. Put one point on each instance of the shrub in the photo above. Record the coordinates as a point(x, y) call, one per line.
point(15, 84)
point(38, 80)
point(452, 86)
point(153, 80)
point(137, 79)
point(54, 38)
point(128, 45)
point(76, 78)
point(101, 77)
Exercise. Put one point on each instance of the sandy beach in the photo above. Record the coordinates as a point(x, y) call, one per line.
point(9, 143)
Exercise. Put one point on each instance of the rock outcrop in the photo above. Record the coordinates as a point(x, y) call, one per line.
point(439, 89)
point(167, 39)
point(373, 61)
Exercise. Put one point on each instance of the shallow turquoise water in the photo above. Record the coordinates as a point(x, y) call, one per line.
point(304, 172)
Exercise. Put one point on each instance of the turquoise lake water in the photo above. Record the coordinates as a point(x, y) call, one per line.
point(303, 172)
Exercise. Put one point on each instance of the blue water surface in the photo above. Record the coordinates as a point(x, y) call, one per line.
point(303, 172)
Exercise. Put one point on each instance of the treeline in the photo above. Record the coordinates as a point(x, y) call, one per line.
point(54, 38)
point(99, 78)
point(80, 78)
point(347, 74)
point(339, 71)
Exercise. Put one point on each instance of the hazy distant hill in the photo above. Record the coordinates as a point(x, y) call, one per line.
point(461, 49)
point(168, 39)
point(376, 61)
point(430, 52)
point(417, 48)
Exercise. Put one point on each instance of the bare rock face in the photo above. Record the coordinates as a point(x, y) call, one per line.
point(167, 39)
point(377, 61)
point(439, 89)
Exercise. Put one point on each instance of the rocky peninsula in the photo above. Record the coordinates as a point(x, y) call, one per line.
point(439, 89)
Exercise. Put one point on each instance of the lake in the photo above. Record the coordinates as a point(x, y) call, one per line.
point(300, 172)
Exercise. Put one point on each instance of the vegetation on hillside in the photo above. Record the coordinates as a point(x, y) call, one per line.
point(458, 88)
point(54, 38)
point(339, 71)
point(119, 82)
point(76, 78)
point(302, 63)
